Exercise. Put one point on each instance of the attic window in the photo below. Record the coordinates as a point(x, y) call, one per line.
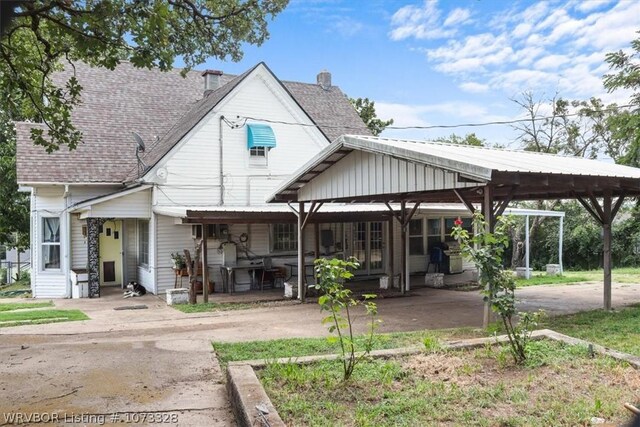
point(260, 136)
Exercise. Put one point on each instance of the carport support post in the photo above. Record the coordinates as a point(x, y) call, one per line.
point(606, 241)
point(301, 269)
point(391, 253)
point(403, 245)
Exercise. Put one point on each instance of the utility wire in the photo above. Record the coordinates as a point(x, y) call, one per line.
point(491, 123)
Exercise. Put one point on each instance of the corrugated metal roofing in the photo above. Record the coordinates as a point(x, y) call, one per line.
point(500, 160)
point(477, 164)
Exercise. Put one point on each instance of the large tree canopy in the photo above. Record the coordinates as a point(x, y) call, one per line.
point(625, 127)
point(48, 34)
point(45, 34)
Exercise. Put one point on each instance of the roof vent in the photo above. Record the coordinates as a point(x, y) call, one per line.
point(212, 80)
point(324, 79)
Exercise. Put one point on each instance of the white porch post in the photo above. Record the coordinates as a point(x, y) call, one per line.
point(560, 244)
point(301, 269)
point(526, 240)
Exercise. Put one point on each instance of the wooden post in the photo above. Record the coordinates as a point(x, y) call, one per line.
point(606, 228)
point(391, 253)
point(403, 247)
point(192, 274)
point(205, 269)
point(301, 268)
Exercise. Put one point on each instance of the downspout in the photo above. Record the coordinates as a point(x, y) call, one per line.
point(67, 237)
point(221, 202)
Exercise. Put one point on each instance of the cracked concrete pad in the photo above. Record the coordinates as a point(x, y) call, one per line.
point(168, 377)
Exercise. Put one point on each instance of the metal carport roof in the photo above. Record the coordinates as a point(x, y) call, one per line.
point(373, 169)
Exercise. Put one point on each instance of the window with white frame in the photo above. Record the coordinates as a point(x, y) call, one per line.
point(143, 242)
point(257, 152)
point(416, 239)
point(284, 237)
point(51, 243)
point(434, 232)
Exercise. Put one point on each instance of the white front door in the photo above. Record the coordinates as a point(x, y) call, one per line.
point(367, 246)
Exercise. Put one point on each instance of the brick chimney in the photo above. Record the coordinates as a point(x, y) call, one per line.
point(212, 80)
point(324, 79)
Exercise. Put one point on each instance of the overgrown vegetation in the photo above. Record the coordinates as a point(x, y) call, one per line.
point(479, 387)
point(335, 299)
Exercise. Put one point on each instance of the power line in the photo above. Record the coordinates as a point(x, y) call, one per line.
point(418, 127)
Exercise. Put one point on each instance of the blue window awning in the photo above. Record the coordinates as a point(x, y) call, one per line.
point(259, 135)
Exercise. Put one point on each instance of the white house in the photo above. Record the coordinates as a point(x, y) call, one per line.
point(208, 149)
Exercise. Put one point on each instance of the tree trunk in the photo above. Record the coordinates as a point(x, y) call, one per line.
point(193, 275)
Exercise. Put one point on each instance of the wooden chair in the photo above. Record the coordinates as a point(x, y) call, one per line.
point(275, 274)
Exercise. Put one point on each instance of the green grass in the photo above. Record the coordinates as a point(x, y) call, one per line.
point(19, 305)
point(561, 386)
point(618, 329)
point(37, 317)
point(213, 306)
point(620, 275)
point(293, 347)
point(542, 279)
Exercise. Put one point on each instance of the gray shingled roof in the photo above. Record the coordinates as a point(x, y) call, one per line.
point(152, 103)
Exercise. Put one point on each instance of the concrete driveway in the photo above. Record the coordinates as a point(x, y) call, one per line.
point(158, 361)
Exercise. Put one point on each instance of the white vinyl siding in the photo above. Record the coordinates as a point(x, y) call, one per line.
point(360, 173)
point(134, 205)
point(193, 166)
point(48, 283)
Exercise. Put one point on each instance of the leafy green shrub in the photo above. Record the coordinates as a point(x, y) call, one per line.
point(331, 275)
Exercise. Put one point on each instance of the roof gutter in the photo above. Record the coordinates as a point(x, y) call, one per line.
point(84, 184)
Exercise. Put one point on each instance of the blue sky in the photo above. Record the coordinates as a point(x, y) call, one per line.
point(449, 62)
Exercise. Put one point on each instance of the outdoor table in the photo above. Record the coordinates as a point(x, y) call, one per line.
point(228, 273)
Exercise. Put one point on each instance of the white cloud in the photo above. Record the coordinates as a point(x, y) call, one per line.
point(457, 16)
point(424, 23)
point(522, 30)
point(551, 62)
point(588, 6)
point(473, 87)
point(557, 45)
point(346, 26)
